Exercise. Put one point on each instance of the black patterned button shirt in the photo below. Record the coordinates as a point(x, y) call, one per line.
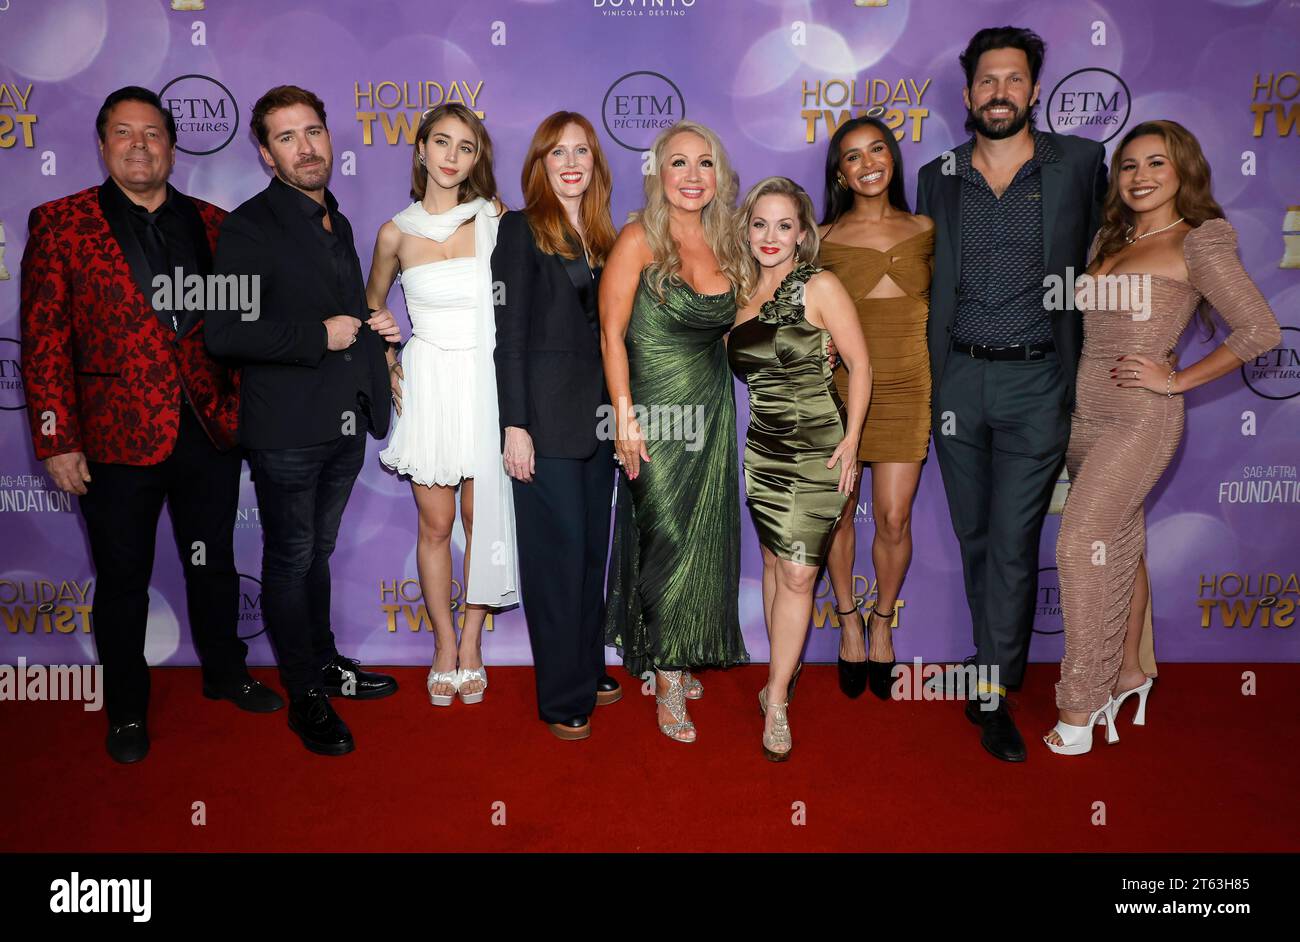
point(1000, 292)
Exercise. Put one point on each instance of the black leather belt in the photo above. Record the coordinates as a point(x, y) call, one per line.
point(1030, 351)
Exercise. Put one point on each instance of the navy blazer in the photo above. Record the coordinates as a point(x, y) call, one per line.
point(550, 376)
point(1074, 188)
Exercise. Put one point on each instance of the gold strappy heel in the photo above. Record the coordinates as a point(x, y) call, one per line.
point(779, 744)
point(675, 700)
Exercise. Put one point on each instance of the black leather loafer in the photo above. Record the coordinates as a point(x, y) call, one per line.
point(608, 691)
point(127, 742)
point(321, 730)
point(1000, 736)
point(579, 727)
point(343, 677)
point(248, 694)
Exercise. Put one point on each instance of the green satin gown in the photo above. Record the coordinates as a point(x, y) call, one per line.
point(796, 420)
point(674, 574)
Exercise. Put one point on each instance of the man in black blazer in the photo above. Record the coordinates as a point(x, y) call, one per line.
point(314, 384)
point(1014, 210)
point(550, 389)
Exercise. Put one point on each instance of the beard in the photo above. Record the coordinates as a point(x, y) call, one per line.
point(311, 176)
point(1001, 128)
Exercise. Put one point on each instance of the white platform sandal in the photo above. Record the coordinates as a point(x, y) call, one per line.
point(1076, 740)
point(436, 677)
point(469, 675)
point(1140, 718)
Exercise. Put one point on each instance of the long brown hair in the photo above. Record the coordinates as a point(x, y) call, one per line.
point(545, 212)
point(481, 181)
point(1194, 201)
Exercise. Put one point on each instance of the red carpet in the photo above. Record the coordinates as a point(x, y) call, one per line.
point(1213, 771)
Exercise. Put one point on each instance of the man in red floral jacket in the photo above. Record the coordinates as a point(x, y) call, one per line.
point(129, 410)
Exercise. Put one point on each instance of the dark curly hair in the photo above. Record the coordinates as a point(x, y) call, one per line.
point(1004, 37)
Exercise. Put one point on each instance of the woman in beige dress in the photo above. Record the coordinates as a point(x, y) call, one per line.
point(1162, 231)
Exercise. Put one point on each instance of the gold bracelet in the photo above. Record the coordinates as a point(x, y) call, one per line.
point(1169, 385)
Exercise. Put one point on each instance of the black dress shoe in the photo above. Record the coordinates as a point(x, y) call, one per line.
point(361, 685)
point(247, 694)
point(1000, 736)
point(578, 727)
point(313, 718)
point(128, 742)
point(608, 691)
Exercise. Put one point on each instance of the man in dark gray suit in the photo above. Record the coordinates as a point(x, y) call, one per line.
point(1014, 209)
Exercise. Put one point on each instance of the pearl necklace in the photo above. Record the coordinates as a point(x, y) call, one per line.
point(1152, 232)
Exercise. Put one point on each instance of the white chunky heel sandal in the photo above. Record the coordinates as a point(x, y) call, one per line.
point(436, 678)
point(469, 675)
point(1076, 740)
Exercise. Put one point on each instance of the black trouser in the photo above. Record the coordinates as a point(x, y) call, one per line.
point(301, 493)
point(121, 507)
point(1001, 428)
point(562, 523)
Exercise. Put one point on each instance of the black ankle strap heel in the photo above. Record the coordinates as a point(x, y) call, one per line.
point(852, 674)
point(880, 674)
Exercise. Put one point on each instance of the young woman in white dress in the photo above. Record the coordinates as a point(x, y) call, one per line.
point(446, 436)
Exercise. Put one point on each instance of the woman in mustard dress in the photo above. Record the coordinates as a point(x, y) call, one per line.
point(883, 255)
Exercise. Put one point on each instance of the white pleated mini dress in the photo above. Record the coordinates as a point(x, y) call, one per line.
point(433, 439)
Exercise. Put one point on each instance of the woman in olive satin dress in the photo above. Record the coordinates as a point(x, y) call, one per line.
point(1162, 227)
point(801, 448)
point(883, 255)
point(667, 299)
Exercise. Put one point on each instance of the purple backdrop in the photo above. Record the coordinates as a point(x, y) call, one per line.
point(770, 77)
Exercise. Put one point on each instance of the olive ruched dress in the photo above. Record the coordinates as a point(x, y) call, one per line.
point(796, 420)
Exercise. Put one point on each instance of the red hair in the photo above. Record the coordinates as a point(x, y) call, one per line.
point(546, 216)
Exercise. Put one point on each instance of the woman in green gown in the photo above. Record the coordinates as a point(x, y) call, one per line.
point(801, 448)
point(667, 300)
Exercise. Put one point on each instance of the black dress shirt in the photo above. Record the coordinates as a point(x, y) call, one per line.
point(347, 278)
point(1000, 293)
point(164, 236)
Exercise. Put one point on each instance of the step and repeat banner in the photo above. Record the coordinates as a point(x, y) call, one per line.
point(774, 79)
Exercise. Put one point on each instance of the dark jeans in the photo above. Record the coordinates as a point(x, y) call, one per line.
point(1000, 460)
point(121, 507)
point(562, 524)
point(301, 493)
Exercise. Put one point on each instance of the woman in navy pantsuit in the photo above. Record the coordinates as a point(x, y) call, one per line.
point(551, 388)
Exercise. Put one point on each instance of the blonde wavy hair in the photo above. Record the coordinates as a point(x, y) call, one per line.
point(806, 250)
point(716, 218)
